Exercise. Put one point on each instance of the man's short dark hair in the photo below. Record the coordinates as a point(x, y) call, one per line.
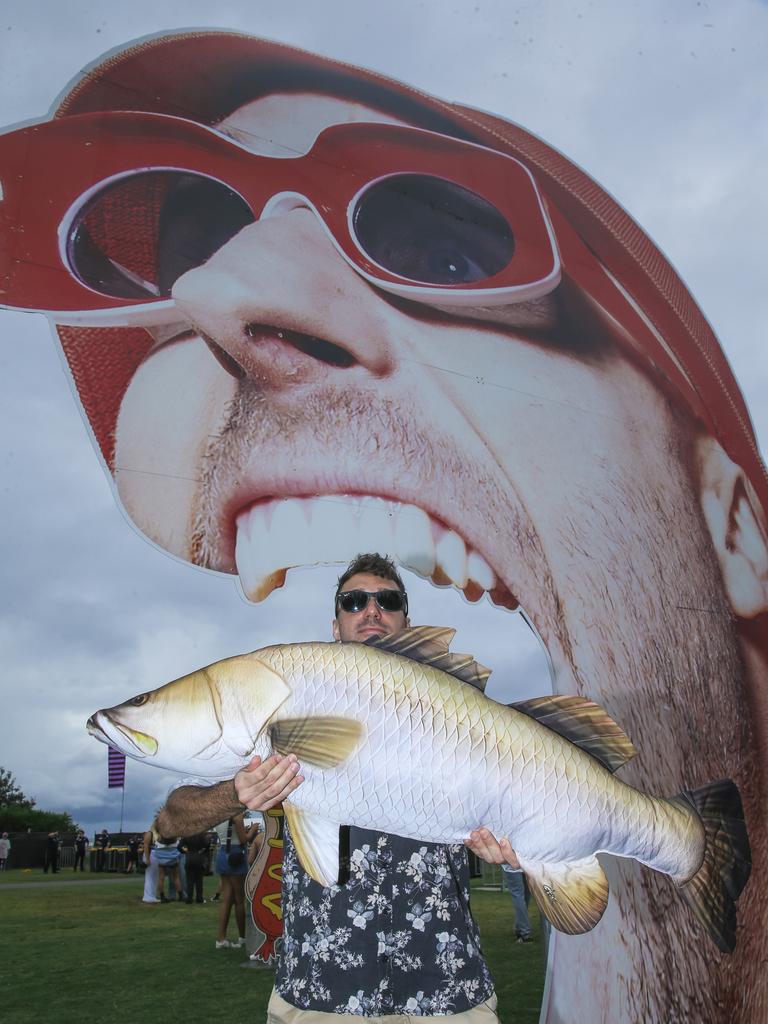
point(371, 562)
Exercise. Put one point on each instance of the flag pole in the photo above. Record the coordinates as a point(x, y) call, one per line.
point(122, 805)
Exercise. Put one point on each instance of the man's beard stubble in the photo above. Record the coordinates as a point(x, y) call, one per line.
point(370, 439)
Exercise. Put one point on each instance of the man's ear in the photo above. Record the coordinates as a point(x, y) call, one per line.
point(738, 529)
point(335, 630)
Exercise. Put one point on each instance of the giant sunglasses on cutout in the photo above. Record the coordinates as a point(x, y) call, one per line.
point(87, 199)
point(351, 601)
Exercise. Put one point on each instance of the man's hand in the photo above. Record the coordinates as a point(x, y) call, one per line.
point(258, 786)
point(485, 846)
point(261, 785)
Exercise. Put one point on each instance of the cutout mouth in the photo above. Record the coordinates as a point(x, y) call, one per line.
point(277, 534)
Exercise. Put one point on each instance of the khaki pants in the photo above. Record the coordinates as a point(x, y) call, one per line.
point(280, 1012)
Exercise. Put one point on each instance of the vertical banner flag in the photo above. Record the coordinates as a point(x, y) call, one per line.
point(115, 768)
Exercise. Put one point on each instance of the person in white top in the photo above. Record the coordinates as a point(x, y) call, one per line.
point(5, 849)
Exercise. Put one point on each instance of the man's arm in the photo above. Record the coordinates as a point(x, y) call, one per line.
point(258, 786)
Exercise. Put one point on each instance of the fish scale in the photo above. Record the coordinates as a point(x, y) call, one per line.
point(484, 763)
point(391, 737)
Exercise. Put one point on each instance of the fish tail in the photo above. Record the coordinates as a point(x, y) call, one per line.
point(712, 892)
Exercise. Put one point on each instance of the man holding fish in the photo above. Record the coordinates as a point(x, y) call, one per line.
point(357, 946)
point(396, 736)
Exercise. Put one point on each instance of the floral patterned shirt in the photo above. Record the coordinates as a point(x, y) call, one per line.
point(396, 938)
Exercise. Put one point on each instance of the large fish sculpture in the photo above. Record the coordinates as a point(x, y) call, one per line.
point(392, 737)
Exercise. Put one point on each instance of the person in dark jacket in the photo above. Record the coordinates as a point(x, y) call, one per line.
point(101, 843)
point(81, 846)
point(197, 849)
point(132, 860)
point(51, 853)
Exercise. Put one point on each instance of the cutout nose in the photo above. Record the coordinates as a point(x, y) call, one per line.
point(277, 303)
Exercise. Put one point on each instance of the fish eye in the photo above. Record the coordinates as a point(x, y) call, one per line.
point(138, 701)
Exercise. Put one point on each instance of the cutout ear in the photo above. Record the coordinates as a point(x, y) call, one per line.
point(738, 529)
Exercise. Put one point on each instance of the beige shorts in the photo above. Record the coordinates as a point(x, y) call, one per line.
point(280, 1012)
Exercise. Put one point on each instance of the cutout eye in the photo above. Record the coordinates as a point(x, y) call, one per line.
point(138, 701)
point(431, 230)
point(140, 233)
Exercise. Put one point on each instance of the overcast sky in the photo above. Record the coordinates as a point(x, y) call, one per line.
point(664, 104)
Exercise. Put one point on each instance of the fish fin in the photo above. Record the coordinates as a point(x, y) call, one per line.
point(712, 892)
point(429, 646)
point(317, 843)
point(572, 895)
point(324, 741)
point(584, 724)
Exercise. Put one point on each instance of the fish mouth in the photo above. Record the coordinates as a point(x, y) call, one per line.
point(104, 728)
point(95, 730)
point(274, 535)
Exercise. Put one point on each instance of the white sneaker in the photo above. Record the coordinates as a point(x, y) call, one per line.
point(239, 944)
point(152, 900)
point(224, 944)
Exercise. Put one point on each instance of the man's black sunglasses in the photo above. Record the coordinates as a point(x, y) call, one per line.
point(387, 600)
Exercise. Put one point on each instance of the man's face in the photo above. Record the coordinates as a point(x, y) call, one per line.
point(320, 418)
point(372, 620)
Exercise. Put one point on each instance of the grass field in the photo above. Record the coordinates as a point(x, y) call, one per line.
point(94, 950)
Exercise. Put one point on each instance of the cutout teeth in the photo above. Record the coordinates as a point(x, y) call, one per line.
point(276, 535)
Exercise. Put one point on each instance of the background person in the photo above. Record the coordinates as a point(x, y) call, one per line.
point(183, 889)
point(151, 868)
point(232, 867)
point(132, 859)
point(101, 843)
point(52, 844)
point(5, 849)
point(166, 856)
point(197, 849)
point(254, 837)
point(81, 848)
point(514, 881)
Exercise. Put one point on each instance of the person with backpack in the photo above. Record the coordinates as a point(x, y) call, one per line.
point(232, 866)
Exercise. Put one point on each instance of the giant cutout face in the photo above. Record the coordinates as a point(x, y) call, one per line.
point(456, 350)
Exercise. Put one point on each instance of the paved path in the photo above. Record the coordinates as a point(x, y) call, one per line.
point(72, 881)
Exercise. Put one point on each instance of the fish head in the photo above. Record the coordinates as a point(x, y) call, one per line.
point(204, 723)
point(175, 726)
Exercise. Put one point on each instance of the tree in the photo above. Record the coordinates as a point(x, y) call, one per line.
point(15, 819)
point(10, 794)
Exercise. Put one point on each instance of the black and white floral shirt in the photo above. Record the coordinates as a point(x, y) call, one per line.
point(396, 938)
